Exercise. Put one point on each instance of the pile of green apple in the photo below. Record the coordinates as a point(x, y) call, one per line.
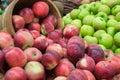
point(98, 22)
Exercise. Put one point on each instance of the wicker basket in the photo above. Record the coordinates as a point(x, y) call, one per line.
point(16, 5)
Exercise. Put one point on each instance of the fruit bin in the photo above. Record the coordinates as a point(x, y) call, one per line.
point(16, 5)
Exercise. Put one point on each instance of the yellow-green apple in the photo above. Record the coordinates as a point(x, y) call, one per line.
point(111, 16)
point(94, 6)
point(114, 60)
point(15, 73)
point(104, 70)
point(99, 23)
point(116, 38)
point(87, 20)
point(74, 13)
point(50, 60)
point(66, 19)
point(89, 75)
point(64, 68)
point(18, 22)
point(40, 9)
point(117, 51)
point(107, 42)
point(84, 6)
point(117, 16)
point(56, 48)
point(34, 70)
point(102, 46)
point(111, 23)
point(77, 23)
point(86, 63)
point(41, 43)
point(6, 40)
point(115, 9)
point(77, 74)
point(117, 26)
point(83, 13)
point(98, 33)
point(70, 30)
point(27, 14)
point(33, 54)
point(35, 33)
point(96, 52)
point(19, 58)
point(60, 78)
point(23, 38)
point(104, 8)
point(111, 31)
point(91, 39)
point(102, 15)
point(86, 30)
point(55, 35)
point(34, 26)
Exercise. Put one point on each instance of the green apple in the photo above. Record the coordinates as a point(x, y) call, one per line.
point(83, 13)
point(87, 20)
point(74, 13)
point(111, 23)
point(109, 3)
point(117, 26)
point(117, 39)
point(91, 39)
point(94, 6)
point(111, 17)
point(113, 48)
point(86, 30)
point(67, 19)
point(106, 40)
point(117, 17)
point(115, 9)
point(84, 6)
point(117, 51)
point(77, 23)
point(102, 46)
point(99, 23)
point(104, 8)
point(102, 15)
point(111, 31)
point(98, 33)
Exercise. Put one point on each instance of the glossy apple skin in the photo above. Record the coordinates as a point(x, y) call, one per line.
point(18, 22)
point(60, 78)
point(34, 70)
point(35, 33)
point(33, 54)
point(19, 59)
point(64, 67)
point(89, 75)
point(40, 9)
point(15, 73)
point(27, 14)
point(104, 70)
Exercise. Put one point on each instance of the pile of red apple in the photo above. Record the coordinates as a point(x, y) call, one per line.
point(39, 51)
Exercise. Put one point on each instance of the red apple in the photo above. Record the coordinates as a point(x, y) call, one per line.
point(6, 40)
point(33, 54)
point(70, 31)
point(60, 78)
point(96, 52)
point(65, 53)
point(55, 47)
point(89, 74)
point(86, 63)
point(27, 14)
point(15, 73)
point(63, 42)
point(64, 68)
point(108, 53)
point(23, 39)
point(34, 70)
point(40, 9)
point(16, 57)
point(55, 35)
point(41, 43)
point(34, 26)
point(46, 27)
point(50, 60)
point(51, 18)
point(104, 70)
point(18, 22)
point(114, 60)
point(77, 74)
point(50, 41)
point(35, 33)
